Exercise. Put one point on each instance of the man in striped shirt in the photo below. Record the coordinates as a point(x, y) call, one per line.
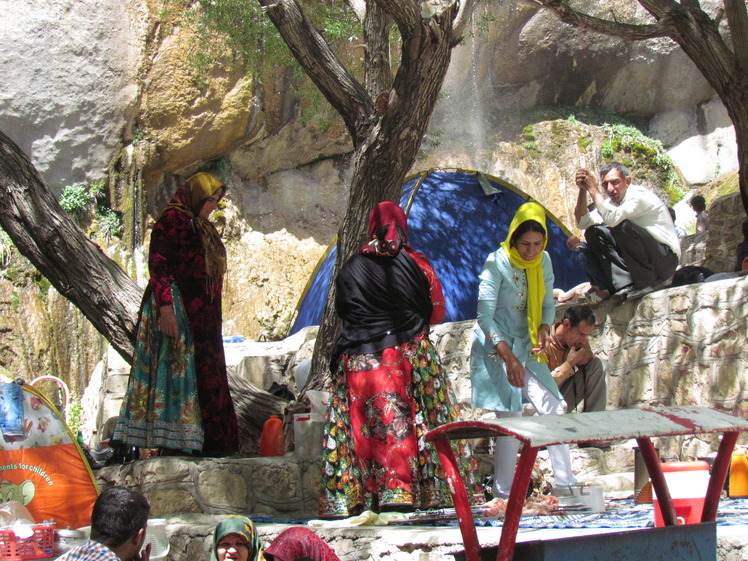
point(118, 525)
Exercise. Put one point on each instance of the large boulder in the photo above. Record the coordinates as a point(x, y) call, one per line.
point(70, 82)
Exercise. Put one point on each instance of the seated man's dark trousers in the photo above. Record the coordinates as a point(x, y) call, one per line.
point(626, 256)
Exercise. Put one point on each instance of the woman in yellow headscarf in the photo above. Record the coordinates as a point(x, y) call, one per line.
point(178, 396)
point(507, 364)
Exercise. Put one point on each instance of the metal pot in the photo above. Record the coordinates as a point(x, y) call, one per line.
point(581, 496)
point(65, 540)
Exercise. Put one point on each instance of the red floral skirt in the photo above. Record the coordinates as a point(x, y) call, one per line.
point(375, 456)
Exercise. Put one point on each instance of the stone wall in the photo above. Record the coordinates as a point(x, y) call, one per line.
point(274, 487)
point(726, 215)
point(678, 346)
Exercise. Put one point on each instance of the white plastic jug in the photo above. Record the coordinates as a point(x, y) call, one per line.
point(308, 434)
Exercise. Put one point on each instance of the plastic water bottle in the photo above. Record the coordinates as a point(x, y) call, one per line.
point(272, 442)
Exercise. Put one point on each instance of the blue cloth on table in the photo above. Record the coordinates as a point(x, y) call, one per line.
point(621, 513)
point(626, 514)
point(11, 409)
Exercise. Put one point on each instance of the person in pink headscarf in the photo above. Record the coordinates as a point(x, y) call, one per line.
point(388, 384)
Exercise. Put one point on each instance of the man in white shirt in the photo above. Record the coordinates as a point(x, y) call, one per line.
point(631, 240)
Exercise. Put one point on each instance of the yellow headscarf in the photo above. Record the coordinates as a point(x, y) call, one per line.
point(189, 199)
point(533, 269)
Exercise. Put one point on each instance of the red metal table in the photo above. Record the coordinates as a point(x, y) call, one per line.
point(536, 432)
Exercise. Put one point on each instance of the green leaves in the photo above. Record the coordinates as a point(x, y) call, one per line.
point(77, 201)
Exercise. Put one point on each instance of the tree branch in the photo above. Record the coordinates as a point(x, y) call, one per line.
point(737, 20)
point(377, 59)
point(464, 15)
point(76, 267)
point(359, 8)
point(340, 88)
point(699, 37)
point(693, 4)
point(692, 29)
point(661, 9)
point(405, 13)
point(634, 32)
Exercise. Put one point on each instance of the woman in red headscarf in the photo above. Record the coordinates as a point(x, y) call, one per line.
point(388, 384)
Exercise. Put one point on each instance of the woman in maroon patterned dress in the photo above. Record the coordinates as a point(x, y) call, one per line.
point(388, 385)
point(180, 335)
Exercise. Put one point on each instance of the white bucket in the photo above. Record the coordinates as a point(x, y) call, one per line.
point(308, 434)
point(319, 402)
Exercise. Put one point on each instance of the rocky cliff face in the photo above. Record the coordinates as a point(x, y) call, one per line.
point(84, 79)
point(94, 89)
point(71, 82)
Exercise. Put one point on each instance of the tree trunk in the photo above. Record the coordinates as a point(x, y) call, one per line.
point(699, 38)
point(736, 103)
point(253, 407)
point(42, 231)
point(383, 159)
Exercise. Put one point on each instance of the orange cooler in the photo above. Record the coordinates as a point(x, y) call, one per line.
point(687, 482)
point(739, 474)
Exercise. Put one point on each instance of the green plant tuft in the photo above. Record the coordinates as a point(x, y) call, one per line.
point(77, 200)
point(607, 150)
point(110, 222)
point(74, 414)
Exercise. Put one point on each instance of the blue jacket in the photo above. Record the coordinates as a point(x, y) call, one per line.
point(502, 316)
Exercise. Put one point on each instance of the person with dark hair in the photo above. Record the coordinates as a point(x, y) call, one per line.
point(508, 365)
point(691, 274)
point(389, 388)
point(698, 204)
point(631, 239)
point(178, 398)
point(235, 539)
point(119, 520)
point(741, 251)
point(580, 375)
point(678, 230)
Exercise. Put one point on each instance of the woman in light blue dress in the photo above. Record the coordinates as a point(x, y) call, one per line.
point(515, 312)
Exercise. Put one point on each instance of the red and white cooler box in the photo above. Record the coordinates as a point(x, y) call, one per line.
point(687, 482)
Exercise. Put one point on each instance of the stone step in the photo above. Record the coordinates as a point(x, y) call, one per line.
point(190, 538)
point(194, 494)
point(284, 487)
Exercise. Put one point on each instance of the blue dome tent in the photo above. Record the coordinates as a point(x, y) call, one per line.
point(456, 218)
